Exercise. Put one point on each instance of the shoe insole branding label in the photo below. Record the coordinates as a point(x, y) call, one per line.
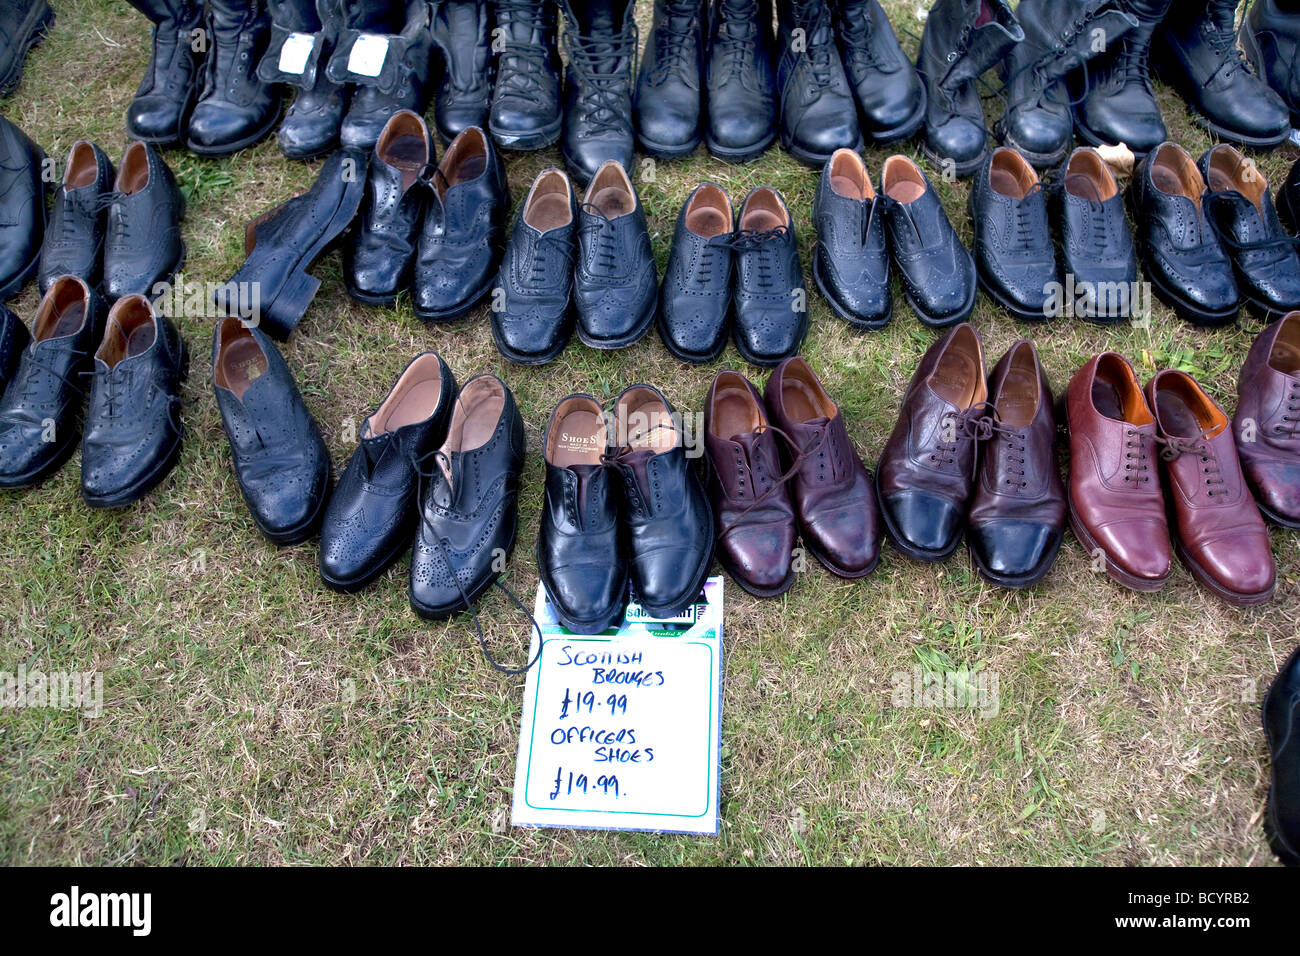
point(293, 55)
point(368, 55)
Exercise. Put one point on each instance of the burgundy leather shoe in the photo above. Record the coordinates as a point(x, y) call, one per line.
point(1218, 531)
point(751, 503)
point(927, 470)
point(1117, 510)
point(1267, 426)
point(834, 497)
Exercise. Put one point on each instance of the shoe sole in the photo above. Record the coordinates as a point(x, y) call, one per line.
point(1284, 851)
point(1037, 160)
point(835, 569)
point(665, 151)
point(621, 342)
point(1277, 519)
point(1095, 141)
point(738, 154)
point(1189, 312)
point(1117, 574)
point(997, 298)
point(694, 358)
point(962, 170)
point(870, 325)
point(1203, 577)
point(548, 136)
point(906, 548)
point(1017, 582)
point(40, 20)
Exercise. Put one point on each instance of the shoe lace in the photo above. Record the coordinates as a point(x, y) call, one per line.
point(855, 32)
point(1290, 420)
point(1025, 237)
point(674, 39)
point(521, 64)
point(710, 257)
point(1283, 244)
point(1016, 441)
point(30, 381)
point(1137, 467)
point(973, 424)
point(1100, 230)
point(606, 250)
point(1221, 33)
point(759, 241)
point(770, 483)
point(551, 257)
point(604, 109)
point(1174, 447)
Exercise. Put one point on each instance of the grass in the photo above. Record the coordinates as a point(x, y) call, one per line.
point(251, 716)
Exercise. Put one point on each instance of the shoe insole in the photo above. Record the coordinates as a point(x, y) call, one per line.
point(579, 439)
point(69, 320)
point(956, 378)
point(1106, 399)
point(905, 191)
point(549, 212)
point(707, 222)
point(140, 339)
point(847, 186)
point(801, 402)
point(1285, 358)
point(761, 220)
point(613, 201)
point(416, 405)
point(734, 413)
point(408, 154)
point(1018, 401)
point(1176, 417)
point(649, 425)
point(242, 364)
point(1006, 183)
point(1167, 181)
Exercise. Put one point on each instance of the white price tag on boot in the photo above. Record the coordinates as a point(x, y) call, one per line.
point(293, 55)
point(368, 55)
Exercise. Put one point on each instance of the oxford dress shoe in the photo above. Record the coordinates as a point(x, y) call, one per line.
point(469, 511)
point(143, 249)
point(666, 514)
point(1267, 423)
point(132, 434)
point(1096, 245)
point(601, 40)
point(926, 474)
point(695, 295)
point(1280, 714)
point(851, 260)
point(833, 494)
point(891, 99)
point(818, 115)
point(1117, 510)
point(753, 514)
point(160, 111)
point(670, 88)
point(41, 409)
point(74, 238)
point(1017, 516)
point(741, 80)
point(23, 24)
point(370, 518)
point(936, 271)
point(1240, 208)
point(378, 264)
point(533, 314)
point(615, 288)
point(303, 35)
point(1270, 37)
point(279, 457)
point(1014, 257)
point(1217, 531)
point(580, 551)
point(463, 233)
point(22, 208)
point(235, 108)
point(14, 339)
point(461, 33)
point(770, 304)
point(525, 110)
point(1180, 250)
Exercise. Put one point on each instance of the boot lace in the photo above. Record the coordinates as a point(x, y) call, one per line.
point(818, 56)
point(604, 107)
point(675, 41)
point(522, 65)
point(737, 38)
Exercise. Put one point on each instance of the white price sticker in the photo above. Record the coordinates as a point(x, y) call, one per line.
point(368, 55)
point(293, 55)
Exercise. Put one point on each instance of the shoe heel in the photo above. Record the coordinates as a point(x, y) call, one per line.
point(282, 314)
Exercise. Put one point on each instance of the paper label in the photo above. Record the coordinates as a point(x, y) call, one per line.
point(295, 52)
point(368, 55)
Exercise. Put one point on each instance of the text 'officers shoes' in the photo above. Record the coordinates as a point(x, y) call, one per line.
point(371, 516)
point(1267, 423)
point(1179, 247)
point(695, 295)
point(770, 303)
point(132, 433)
point(463, 233)
point(936, 270)
point(1017, 517)
point(891, 99)
point(1096, 246)
point(74, 238)
point(927, 471)
point(755, 520)
point(532, 315)
point(580, 551)
point(1117, 510)
point(818, 115)
point(235, 108)
point(614, 284)
point(741, 80)
point(670, 89)
point(1281, 716)
point(1217, 529)
point(851, 261)
point(666, 514)
point(833, 495)
point(22, 208)
point(143, 248)
point(525, 111)
point(160, 111)
point(40, 411)
point(278, 454)
point(470, 507)
point(1014, 256)
point(601, 41)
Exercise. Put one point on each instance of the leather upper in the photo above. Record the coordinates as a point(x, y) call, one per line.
point(695, 295)
point(818, 114)
point(1013, 241)
point(770, 302)
point(461, 32)
point(143, 246)
point(161, 106)
point(526, 98)
point(741, 75)
point(601, 42)
point(851, 258)
point(22, 195)
point(234, 103)
point(669, 92)
point(1267, 423)
point(74, 238)
point(884, 81)
point(614, 281)
point(1096, 245)
point(1119, 105)
point(1281, 718)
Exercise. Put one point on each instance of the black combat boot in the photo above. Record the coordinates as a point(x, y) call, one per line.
point(170, 85)
point(303, 35)
point(601, 39)
point(235, 109)
point(891, 99)
point(669, 92)
point(460, 31)
point(741, 80)
point(525, 112)
point(818, 115)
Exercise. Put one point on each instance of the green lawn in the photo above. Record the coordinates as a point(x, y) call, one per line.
point(252, 716)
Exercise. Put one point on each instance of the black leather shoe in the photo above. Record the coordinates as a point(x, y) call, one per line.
point(132, 434)
point(532, 305)
point(40, 412)
point(460, 31)
point(1197, 54)
point(235, 109)
point(14, 339)
point(1014, 258)
point(463, 233)
point(1241, 211)
point(303, 35)
point(279, 456)
point(23, 24)
point(1180, 251)
point(74, 239)
point(525, 112)
point(851, 260)
point(936, 270)
point(161, 108)
point(818, 115)
point(695, 295)
point(615, 288)
point(770, 303)
point(601, 40)
point(891, 99)
point(378, 263)
point(370, 519)
point(580, 554)
point(741, 81)
point(1270, 36)
point(22, 208)
point(1288, 199)
point(1096, 246)
point(470, 510)
point(666, 513)
point(143, 248)
point(669, 92)
point(1280, 715)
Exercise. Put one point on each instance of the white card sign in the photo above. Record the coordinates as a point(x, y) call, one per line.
point(293, 55)
point(368, 54)
point(621, 730)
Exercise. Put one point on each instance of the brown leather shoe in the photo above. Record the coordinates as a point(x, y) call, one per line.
point(833, 494)
point(1218, 531)
point(927, 470)
point(1116, 507)
point(1267, 426)
point(1017, 518)
point(751, 503)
